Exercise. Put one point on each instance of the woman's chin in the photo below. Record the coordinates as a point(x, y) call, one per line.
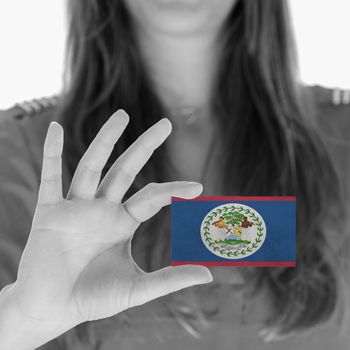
point(176, 5)
point(183, 17)
point(180, 21)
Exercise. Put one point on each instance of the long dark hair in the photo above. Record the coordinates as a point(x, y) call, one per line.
point(261, 108)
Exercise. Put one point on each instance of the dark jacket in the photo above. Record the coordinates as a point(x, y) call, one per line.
point(22, 132)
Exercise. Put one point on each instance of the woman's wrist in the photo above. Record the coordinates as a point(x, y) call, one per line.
point(20, 331)
point(13, 327)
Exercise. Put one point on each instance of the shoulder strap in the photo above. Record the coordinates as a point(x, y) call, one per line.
point(331, 96)
point(34, 106)
point(29, 108)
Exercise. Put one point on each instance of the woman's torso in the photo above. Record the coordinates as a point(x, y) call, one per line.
point(150, 326)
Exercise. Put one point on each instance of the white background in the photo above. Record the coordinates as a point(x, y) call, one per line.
point(32, 35)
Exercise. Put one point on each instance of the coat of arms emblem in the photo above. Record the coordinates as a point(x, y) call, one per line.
point(233, 231)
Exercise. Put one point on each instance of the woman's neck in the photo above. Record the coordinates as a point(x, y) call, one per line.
point(181, 68)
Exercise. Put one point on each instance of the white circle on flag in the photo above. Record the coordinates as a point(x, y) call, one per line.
point(233, 231)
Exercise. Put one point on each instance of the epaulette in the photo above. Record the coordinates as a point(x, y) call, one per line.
point(340, 96)
point(332, 96)
point(32, 107)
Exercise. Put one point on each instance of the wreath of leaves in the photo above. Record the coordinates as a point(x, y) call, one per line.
point(245, 212)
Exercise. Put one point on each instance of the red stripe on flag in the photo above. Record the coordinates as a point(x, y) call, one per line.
point(237, 198)
point(235, 263)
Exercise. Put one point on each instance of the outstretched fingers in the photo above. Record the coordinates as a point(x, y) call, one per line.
point(88, 173)
point(50, 190)
point(150, 199)
point(170, 279)
point(123, 172)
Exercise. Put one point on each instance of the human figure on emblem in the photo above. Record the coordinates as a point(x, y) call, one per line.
point(247, 230)
point(219, 223)
point(220, 229)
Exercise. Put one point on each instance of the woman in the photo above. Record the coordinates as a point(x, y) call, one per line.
point(223, 72)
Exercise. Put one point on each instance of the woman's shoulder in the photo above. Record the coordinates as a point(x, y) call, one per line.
point(332, 116)
point(332, 111)
point(24, 125)
point(23, 128)
point(330, 97)
point(33, 112)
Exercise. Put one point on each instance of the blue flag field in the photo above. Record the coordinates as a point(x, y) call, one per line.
point(236, 231)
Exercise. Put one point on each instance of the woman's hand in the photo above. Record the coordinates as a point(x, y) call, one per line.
point(77, 264)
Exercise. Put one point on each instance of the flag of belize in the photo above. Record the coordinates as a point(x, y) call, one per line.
point(236, 231)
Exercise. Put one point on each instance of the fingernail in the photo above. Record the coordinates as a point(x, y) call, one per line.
point(54, 124)
point(55, 128)
point(209, 279)
point(165, 123)
point(207, 276)
point(197, 188)
point(194, 183)
point(121, 115)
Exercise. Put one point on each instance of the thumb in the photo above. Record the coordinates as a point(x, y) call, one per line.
point(167, 280)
